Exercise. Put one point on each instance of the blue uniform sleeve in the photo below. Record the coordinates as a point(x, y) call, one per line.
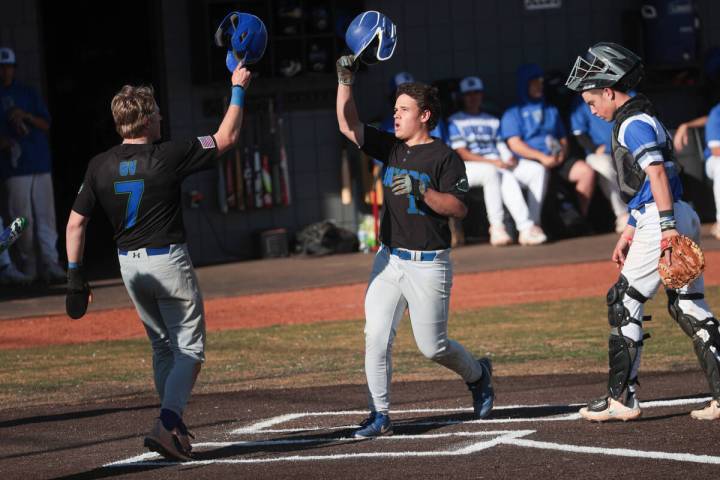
point(456, 138)
point(641, 140)
point(579, 121)
point(510, 124)
point(712, 128)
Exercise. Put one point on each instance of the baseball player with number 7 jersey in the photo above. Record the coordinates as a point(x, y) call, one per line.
point(424, 183)
point(137, 184)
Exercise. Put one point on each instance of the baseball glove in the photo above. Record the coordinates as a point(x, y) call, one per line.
point(681, 261)
point(78, 293)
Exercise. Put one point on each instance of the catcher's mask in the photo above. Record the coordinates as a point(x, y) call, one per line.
point(245, 37)
point(372, 37)
point(606, 65)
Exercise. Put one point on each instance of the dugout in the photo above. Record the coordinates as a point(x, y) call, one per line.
point(101, 46)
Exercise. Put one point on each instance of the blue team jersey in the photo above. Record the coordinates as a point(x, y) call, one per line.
point(712, 130)
point(644, 136)
point(539, 125)
point(582, 121)
point(35, 157)
point(476, 132)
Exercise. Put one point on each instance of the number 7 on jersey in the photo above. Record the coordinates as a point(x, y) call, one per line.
point(134, 189)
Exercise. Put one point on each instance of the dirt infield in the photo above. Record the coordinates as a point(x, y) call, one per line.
point(292, 433)
point(470, 291)
point(534, 431)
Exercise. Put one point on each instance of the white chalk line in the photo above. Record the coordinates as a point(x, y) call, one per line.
point(507, 437)
point(263, 426)
point(151, 459)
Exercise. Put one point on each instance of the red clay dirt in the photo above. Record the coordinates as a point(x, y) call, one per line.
point(470, 291)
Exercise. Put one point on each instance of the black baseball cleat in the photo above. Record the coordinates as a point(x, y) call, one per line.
point(482, 390)
point(167, 443)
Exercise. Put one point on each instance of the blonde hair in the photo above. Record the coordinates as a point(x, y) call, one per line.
point(131, 109)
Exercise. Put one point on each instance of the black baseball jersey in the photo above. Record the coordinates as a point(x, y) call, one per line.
point(138, 187)
point(407, 223)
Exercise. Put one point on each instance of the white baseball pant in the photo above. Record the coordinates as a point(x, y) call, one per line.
point(641, 263)
point(423, 287)
point(712, 169)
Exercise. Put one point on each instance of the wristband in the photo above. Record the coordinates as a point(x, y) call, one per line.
point(667, 220)
point(73, 265)
point(238, 96)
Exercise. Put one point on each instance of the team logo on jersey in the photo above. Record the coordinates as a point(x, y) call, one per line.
point(462, 185)
point(206, 142)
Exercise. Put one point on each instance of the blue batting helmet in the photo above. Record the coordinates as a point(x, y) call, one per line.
point(245, 37)
point(372, 37)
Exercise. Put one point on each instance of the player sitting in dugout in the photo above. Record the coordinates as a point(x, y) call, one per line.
point(711, 122)
point(474, 135)
point(594, 134)
point(534, 131)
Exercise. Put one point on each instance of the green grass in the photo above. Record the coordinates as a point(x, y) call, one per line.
point(536, 338)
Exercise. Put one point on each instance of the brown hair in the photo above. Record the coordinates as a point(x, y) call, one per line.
point(131, 108)
point(426, 98)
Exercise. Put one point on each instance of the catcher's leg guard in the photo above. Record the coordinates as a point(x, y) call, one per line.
point(705, 335)
point(623, 352)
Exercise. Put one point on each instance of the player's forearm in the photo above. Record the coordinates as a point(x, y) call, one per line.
point(467, 156)
point(660, 187)
point(75, 237)
point(229, 131)
point(347, 115)
point(522, 149)
point(715, 151)
point(38, 122)
point(445, 204)
point(695, 123)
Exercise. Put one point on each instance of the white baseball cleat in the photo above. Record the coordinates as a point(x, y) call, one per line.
point(711, 411)
point(604, 409)
point(499, 236)
point(532, 236)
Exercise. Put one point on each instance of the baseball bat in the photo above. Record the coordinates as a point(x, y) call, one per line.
point(284, 171)
point(346, 191)
point(248, 176)
point(239, 182)
point(230, 184)
point(257, 177)
point(266, 181)
point(275, 157)
point(222, 196)
point(12, 233)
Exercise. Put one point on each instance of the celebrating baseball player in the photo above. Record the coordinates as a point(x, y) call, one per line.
point(424, 184)
point(648, 178)
point(137, 184)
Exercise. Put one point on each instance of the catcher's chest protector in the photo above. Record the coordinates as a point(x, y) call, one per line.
point(630, 176)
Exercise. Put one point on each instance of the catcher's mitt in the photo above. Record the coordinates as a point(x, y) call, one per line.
point(683, 263)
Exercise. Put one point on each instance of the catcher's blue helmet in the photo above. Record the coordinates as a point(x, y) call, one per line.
point(245, 37)
point(372, 37)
